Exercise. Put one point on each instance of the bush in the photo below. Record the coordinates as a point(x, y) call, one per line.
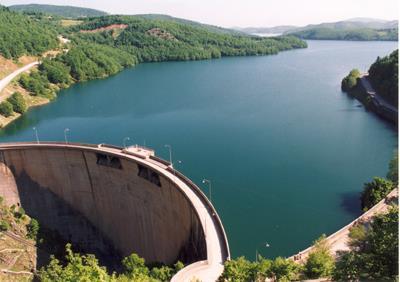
point(374, 192)
point(37, 84)
point(4, 226)
point(239, 269)
point(18, 102)
point(6, 109)
point(135, 267)
point(320, 262)
point(285, 270)
point(19, 213)
point(33, 229)
point(374, 256)
point(393, 174)
point(350, 81)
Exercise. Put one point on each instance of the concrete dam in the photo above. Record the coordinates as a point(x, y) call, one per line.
point(114, 201)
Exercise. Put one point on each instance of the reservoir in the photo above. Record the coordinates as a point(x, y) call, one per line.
point(286, 151)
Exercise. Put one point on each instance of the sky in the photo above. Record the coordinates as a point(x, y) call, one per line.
point(242, 13)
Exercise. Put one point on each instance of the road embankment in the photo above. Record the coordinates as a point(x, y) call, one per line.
point(372, 101)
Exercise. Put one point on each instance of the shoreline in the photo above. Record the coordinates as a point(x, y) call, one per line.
point(7, 121)
point(372, 102)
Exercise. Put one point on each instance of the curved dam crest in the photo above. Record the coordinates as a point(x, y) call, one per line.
point(113, 202)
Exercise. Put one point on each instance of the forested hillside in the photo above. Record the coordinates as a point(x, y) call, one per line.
point(62, 11)
point(21, 35)
point(360, 34)
point(101, 46)
point(162, 40)
point(384, 76)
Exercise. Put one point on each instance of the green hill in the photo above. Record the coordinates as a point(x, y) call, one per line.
point(62, 11)
point(212, 28)
point(361, 29)
point(163, 40)
point(359, 34)
point(22, 35)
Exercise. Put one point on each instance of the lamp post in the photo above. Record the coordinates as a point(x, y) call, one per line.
point(170, 154)
point(124, 141)
point(266, 245)
point(208, 182)
point(65, 135)
point(36, 134)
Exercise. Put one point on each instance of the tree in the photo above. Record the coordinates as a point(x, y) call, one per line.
point(135, 267)
point(320, 262)
point(384, 77)
point(374, 192)
point(393, 174)
point(18, 102)
point(238, 270)
point(6, 109)
point(285, 270)
point(375, 256)
point(350, 81)
point(33, 229)
point(78, 268)
point(56, 71)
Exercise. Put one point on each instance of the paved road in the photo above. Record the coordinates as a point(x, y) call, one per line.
point(5, 81)
point(208, 270)
point(371, 91)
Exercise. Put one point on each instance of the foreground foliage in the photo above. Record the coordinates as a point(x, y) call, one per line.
point(241, 269)
point(320, 262)
point(393, 174)
point(79, 267)
point(374, 254)
point(374, 192)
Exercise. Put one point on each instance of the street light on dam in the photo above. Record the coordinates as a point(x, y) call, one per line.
point(170, 154)
point(208, 182)
point(65, 135)
point(124, 141)
point(36, 134)
point(266, 245)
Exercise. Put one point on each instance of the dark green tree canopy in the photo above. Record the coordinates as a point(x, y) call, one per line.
point(384, 76)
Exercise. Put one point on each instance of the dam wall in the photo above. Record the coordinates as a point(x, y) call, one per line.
point(106, 202)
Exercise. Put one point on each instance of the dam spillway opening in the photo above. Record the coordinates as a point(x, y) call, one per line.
point(104, 203)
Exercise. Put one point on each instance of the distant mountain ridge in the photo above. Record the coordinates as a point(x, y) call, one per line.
point(62, 11)
point(351, 29)
point(352, 24)
point(261, 30)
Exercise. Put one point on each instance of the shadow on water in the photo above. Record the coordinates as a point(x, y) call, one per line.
point(350, 202)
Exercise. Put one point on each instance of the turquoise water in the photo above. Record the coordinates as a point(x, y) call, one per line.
point(287, 152)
